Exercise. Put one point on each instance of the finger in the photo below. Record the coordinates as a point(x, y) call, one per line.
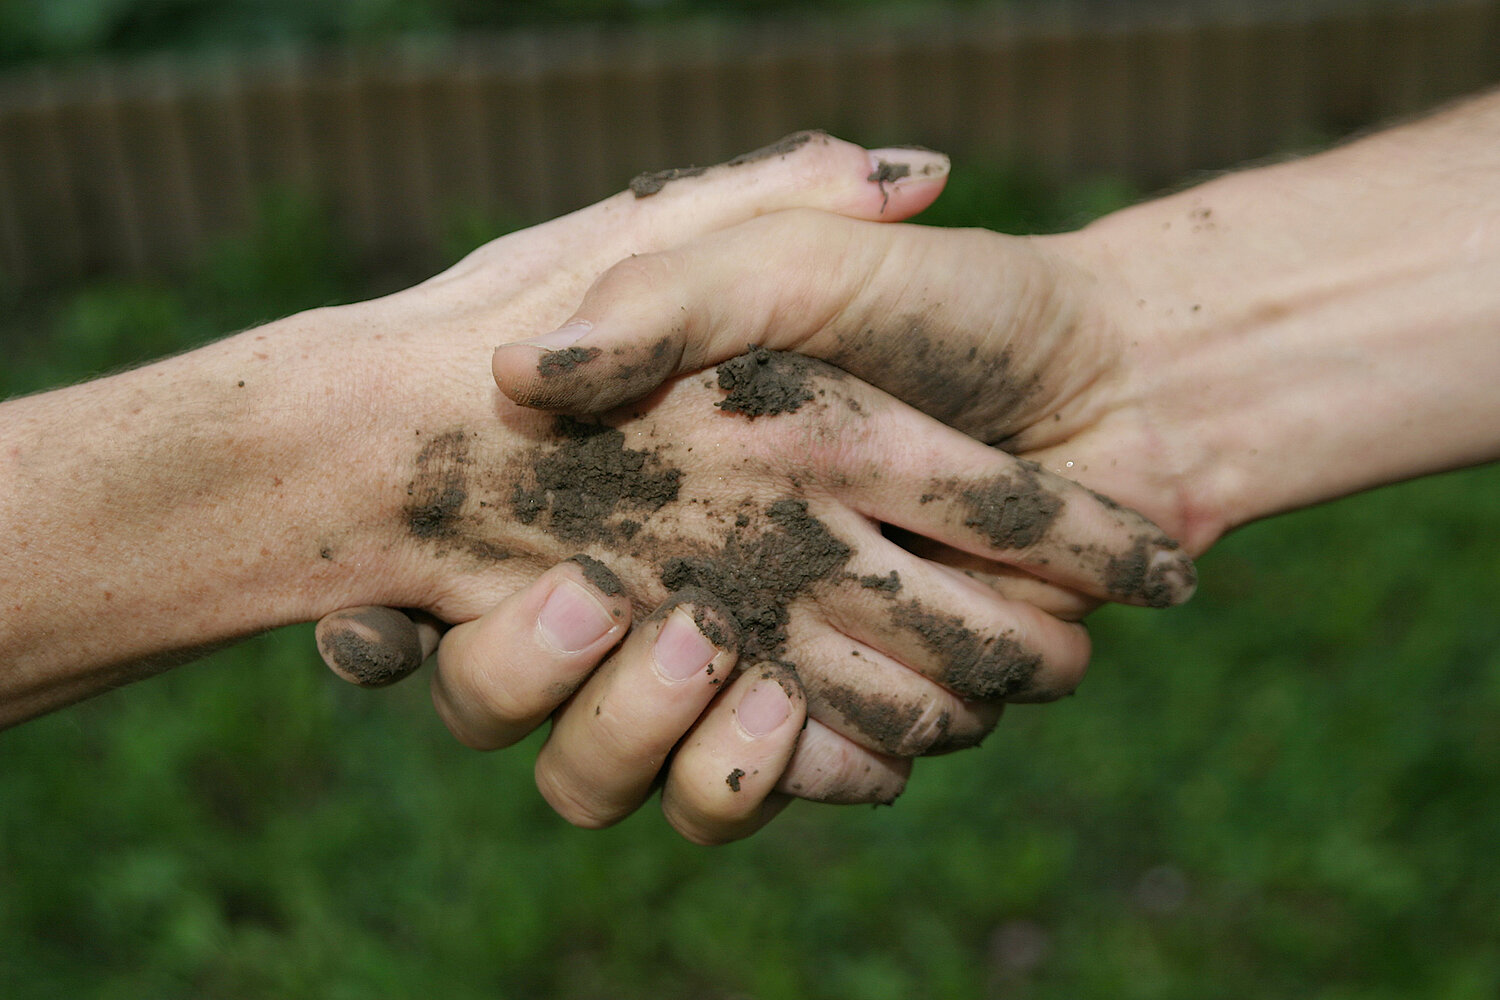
point(501, 675)
point(950, 629)
point(880, 703)
point(609, 742)
point(806, 170)
point(722, 782)
point(374, 646)
point(1012, 584)
point(829, 767)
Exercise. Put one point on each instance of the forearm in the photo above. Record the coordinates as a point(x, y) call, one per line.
point(1304, 331)
point(166, 509)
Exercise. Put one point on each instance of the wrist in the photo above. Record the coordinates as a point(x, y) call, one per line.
point(1301, 332)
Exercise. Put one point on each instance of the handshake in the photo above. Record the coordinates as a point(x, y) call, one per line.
point(763, 494)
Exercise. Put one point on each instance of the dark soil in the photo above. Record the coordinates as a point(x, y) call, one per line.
point(649, 183)
point(886, 722)
point(1011, 511)
point(714, 620)
point(757, 574)
point(1131, 574)
point(764, 383)
point(979, 668)
point(557, 362)
point(888, 584)
point(781, 147)
point(438, 491)
point(733, 779)
point(375, 646)
point(963, 386)
point(589, 478)
point(600, 575)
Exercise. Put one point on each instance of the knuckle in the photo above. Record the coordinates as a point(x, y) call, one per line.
point(578, 805)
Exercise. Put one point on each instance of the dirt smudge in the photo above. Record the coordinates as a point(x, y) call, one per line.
point(439, 489)
point(651, 182)
point(581, 487)
point(888, 584)
point(977, 391)
point(1134, 575)
point(1011, 511)
point(976, 667)
point(558, 362)
point(781, 147)
point(757, 574)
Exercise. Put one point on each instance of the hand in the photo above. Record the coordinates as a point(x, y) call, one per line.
point(1238, 349)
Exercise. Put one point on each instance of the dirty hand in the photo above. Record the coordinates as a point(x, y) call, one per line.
point(757, 515)
point(1234, 350)
point(493, 690)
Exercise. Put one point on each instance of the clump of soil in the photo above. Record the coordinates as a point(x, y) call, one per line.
point(1011, 511)
point(763, 383)
point(588, 479)
point(979, 668)
point(557, 362)
point(733, 779)
point(600, 575)
point(649, 183)
point(373, 646)
point(756, 575)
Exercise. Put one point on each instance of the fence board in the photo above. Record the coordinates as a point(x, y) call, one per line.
point(136, 165)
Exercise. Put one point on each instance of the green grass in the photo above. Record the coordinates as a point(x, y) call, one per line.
point(1287, 788)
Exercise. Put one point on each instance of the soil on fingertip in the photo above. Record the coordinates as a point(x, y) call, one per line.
point(733, 779)
point(375, 646)
point(1132, 575)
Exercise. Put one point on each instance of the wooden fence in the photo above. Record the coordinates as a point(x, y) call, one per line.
point(134, 166)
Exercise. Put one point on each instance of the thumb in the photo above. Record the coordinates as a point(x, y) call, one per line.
point(790, 281)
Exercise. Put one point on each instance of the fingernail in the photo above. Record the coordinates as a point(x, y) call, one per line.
point(572, 619)
point(765, 707)
point(681, 650)
point(895, 164)
point(564, 336)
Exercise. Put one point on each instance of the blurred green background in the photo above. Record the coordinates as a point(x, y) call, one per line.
point(1284, 789)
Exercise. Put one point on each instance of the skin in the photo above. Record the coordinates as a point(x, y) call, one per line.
point(360, 456)
point(1268, 340)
